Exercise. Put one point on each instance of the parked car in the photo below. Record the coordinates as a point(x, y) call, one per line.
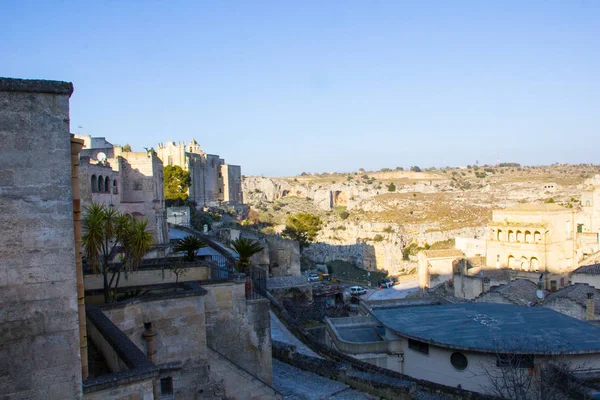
point(384, 284)
point(357, 290)
point(313, 277)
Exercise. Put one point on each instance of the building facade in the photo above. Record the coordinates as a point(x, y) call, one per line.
point(212, 180)
point(532, 238)
point(133, 182)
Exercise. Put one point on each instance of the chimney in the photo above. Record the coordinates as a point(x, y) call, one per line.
point(590, 312)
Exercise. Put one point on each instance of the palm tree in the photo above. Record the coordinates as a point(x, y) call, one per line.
point(107, 232)
point(246, 248)
point(189, 245)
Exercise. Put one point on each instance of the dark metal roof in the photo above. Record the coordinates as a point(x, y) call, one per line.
point(488, 327)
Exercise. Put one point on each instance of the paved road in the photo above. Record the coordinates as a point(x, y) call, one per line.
point(297, 384)
point(399, 291)
point(280, 333)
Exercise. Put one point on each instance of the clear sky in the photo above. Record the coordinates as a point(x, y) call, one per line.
point(281, 87)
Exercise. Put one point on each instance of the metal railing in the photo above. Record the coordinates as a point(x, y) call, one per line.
point(258, 276)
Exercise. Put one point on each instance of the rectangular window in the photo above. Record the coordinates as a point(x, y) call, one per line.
point(515, 360)
point(553, 287)
point(421, 347)
point(166, 386)
point(137, 185)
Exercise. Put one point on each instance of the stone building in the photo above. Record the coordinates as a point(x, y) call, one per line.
point(532, 237)
point(204, 340)
point(212, 180)
point(579, 301)
point(133, 182)
point(463, 345)
point(39, 336)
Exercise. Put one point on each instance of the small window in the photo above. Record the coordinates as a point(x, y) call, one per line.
point(137, 185)
point(459, 361)
point(115, 187)
point(421, 347)
point(515, 360)
point(166, 386)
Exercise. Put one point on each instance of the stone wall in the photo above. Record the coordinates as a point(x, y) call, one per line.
point(237, 382)
point(239, 329)
point(144, 277)
point(284, 256)
point(142, 191)
point(39, 351)
point(180, 342)
point(566, 306)
point(232, 183)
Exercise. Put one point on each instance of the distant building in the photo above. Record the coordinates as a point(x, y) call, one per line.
point(212, 180)
point(589, 274)
point(133, 182)
point(579, 301)
point(532, 237)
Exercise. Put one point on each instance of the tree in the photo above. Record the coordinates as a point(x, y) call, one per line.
point(127, 147)
point(521, 376)
point(177, 183)
point(189, 244)
point(391, 187)
point(303, 227)
point(107, 232)
point(246, 248)
point(415, 169)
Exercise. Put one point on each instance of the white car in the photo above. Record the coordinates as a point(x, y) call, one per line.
point(357, 290)
point(313, 277)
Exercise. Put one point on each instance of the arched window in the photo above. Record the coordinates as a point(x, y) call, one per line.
point(587, 203)
point(511, 236)
point(94, 183)
point(535, 264)
point(100, 183)
point(115, 187)
point(107, 185)
point(511, 262)
point(500, 235)
point(537, 237)
point(524, 264)
point(527, 237)
point(519, 236)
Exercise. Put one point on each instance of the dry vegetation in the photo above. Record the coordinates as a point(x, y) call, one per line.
point(435, 199)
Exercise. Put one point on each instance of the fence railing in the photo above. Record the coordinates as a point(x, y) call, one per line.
point(258, 277)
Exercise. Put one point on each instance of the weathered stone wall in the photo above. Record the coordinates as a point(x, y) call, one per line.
point(232, 183)
point(567, 307)
point(145, 277)
point(142, 185)
point(284, 256)
point(39, 337)
point(179, 322)
point(238, 383)
point(138, 390)
point(590, 279)
point(212, 181)
point(239, 329)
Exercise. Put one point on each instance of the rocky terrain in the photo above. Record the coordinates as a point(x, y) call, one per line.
point(369, 217)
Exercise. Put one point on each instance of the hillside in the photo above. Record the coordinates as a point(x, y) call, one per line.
point(390, 209)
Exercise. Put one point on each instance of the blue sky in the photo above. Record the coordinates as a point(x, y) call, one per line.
point(282, 87)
